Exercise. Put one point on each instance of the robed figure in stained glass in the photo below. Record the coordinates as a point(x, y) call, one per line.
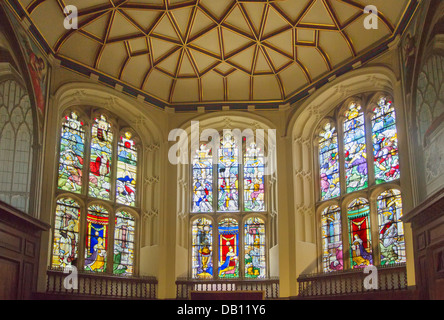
point(96, 239)
point(228, 248)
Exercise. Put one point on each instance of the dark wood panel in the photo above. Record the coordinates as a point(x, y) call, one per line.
point(10, 241)
point(9, 279)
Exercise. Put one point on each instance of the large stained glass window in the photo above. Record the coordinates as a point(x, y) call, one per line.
point(96, 239)
point(101, 155)
point(228, 248)
point(66, 233)
point(356, 170)
point(202, 180)
point(391, 228)
point(254, 241)
point(106, 236)
point(359, 169)
point(126, 170)
point(385, 142)
point(329, 162)
point(360, 233)
point(228, 174)
point(124, 233)
point(332, 251)
point(202, 249)
point(72, 142)
point(236, 173)
point(254, 179)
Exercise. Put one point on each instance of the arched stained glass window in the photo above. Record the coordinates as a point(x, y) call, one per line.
point(66, 233)
point(329, 162)
point(101, 155)
point(124, 237)
point(202, 249)
point(255, 254)
point(360, 171)
point(385, 142)
point(126, 170)
point(96, 239)
point(254, 179)
point(391, 228)
point(202, 180)
point(360, 233)
point(238, 177)
point(72, 142)
point(356, 170)
point(107, 229)
point(228, 248)
point(228, 174)
point(332, 255)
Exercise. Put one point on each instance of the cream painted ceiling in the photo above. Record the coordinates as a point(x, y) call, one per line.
point(207, 51)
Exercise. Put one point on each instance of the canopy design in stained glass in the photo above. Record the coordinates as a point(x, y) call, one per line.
point(96, 247)
point(332, 251)
point(228, 249)
point(358, 215)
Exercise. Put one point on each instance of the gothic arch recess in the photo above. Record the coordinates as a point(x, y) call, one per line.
point(129, 115)
point(303, 127)
point(185, 218)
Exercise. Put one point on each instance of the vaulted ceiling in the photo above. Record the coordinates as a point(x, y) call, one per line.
point(214, 51)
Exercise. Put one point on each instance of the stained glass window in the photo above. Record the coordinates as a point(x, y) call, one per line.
point(356, 170)
point(124, 232)
point(391, 228)
point(240, 189)
point(96, 239)
point(126, 170)
point(255, 259)
point(385, 142)
point(101, 155)
point(72, 142)
point(254, 179)
point(329, 162)
point(202, 180)
point(202, 249)
point(66, 233)
point(228, 174)
point(228, 248)
point(360, 233)
point(108, 237)
point(332, 255)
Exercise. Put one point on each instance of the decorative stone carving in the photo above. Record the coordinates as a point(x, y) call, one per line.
point(151, 180)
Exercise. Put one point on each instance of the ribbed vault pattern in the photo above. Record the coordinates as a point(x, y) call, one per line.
point(201, 51)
